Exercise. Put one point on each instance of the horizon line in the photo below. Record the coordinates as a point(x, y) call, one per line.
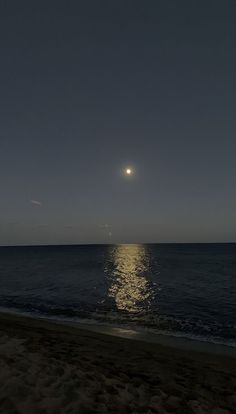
point(109, 244)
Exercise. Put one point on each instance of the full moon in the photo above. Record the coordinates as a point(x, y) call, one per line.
point(128, 171)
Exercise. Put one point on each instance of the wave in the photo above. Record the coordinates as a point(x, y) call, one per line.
point(193, 328)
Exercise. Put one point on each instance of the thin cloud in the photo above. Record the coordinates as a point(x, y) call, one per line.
point(71, 226)
point(36, 203)
point(13, 223)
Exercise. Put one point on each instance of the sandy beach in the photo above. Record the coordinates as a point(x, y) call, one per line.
point(53, 368)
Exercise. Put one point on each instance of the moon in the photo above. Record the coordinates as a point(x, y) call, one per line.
point(128, 171)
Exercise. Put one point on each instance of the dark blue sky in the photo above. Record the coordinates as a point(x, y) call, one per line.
point(87, 88)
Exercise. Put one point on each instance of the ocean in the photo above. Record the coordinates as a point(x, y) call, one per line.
point(185, 290)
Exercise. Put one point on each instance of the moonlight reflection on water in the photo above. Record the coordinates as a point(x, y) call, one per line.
point(130, 288)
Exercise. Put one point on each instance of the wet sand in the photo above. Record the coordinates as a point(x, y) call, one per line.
point(48, 367)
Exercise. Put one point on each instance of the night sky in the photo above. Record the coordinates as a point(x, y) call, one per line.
point(88, 88)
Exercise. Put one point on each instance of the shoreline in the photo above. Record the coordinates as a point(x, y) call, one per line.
point(168, 340)
point(48, 367)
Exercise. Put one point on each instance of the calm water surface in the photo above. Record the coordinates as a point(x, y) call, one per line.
point(177, 289)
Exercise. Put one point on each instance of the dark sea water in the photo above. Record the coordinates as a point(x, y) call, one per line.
point(179, 289)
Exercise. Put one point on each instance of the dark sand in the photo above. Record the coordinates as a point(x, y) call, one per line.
point(51, 368)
